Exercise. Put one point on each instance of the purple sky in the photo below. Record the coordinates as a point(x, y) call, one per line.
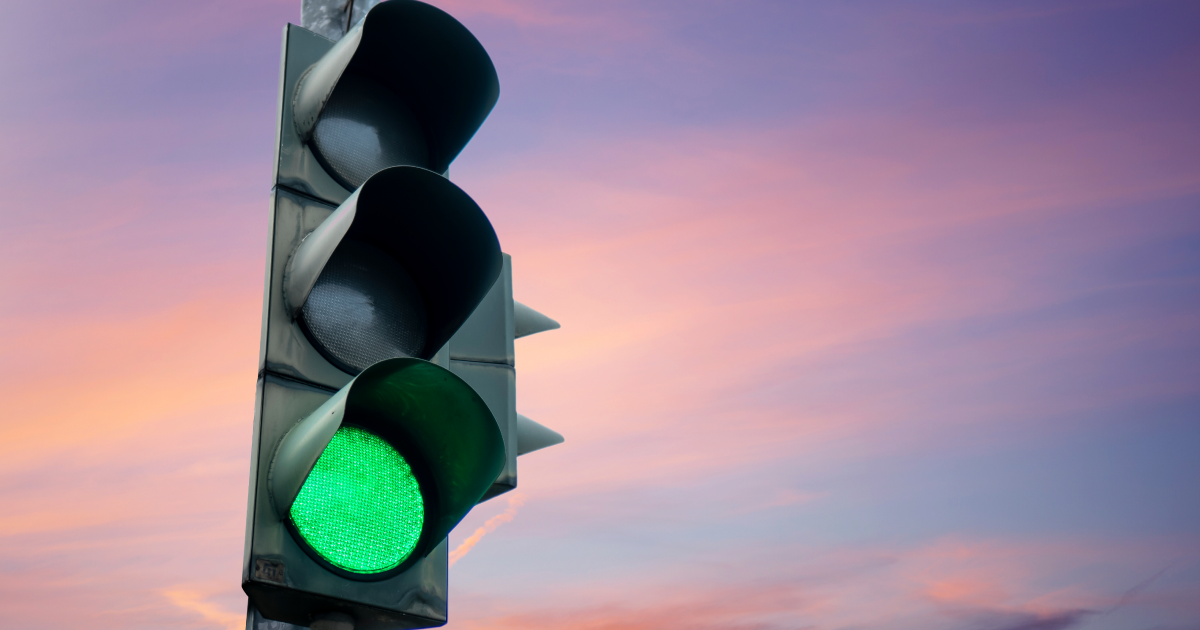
point(876, 315)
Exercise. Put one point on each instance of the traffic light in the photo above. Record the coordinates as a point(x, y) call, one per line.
point(370, 442)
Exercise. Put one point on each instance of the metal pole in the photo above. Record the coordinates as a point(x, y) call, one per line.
point(255, 621)
point(332, 621)
point(332, 18)
point(325, 621)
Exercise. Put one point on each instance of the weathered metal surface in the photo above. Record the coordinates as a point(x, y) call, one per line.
point(305, 264)
point(441, 79)
point(296, 167)
point(286, 350)
point(333, 18)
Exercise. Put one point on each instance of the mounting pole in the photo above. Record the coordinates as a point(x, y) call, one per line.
point(333, 18)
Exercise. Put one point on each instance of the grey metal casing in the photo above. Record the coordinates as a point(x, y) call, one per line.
point(295, 165)
point(285, 349)
point(496, 385)
point(481, 350)
point(332, 18)
point(487, 335)
point(481, 353)
point(295, 379)
point(281, 577)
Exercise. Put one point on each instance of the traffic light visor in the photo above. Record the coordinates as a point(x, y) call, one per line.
point(377, 476)
point(409, 85)
point(394, 271)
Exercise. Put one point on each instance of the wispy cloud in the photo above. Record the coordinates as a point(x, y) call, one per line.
point(515, 501)
point(198, 601)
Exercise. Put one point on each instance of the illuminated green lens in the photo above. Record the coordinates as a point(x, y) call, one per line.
point(360, 507)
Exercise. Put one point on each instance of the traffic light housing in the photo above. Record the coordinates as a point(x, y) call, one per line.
point(437, 77)
point(408, 85)
point(367, 447)
point(367, 486)
point(373, 280)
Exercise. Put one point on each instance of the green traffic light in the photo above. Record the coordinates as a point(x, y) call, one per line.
point(360, 508)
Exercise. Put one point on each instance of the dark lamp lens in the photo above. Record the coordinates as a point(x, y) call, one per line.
point(364, 308)
point(365, 128)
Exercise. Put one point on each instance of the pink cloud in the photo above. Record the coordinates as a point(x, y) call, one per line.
point(197, 601)
point(100, 379)
point(733, 296)
point(946, 584)
point(725, 255)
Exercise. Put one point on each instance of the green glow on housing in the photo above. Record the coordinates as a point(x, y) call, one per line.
point(360, 508)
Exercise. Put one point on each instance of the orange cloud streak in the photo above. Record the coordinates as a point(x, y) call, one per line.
point(196, 601)
point(515, 501)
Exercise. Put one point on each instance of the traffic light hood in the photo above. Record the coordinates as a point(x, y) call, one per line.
point(408, 85)
point(440, 426)
point(400, 264)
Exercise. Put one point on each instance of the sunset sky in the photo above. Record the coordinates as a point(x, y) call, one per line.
point(880, 315)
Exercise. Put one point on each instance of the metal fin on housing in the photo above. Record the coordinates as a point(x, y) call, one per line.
point(532, 436)
point(527, 321)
